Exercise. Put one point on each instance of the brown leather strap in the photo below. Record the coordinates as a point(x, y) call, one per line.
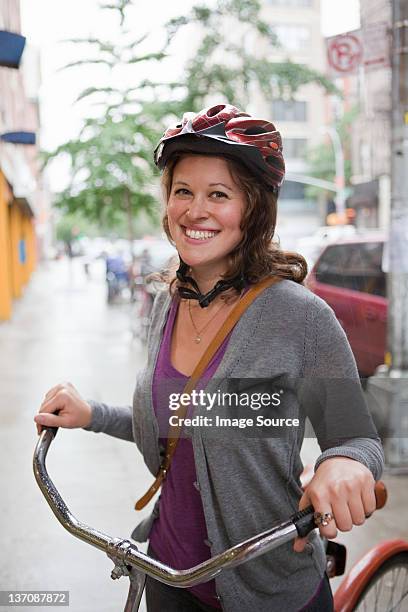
point(175, 431)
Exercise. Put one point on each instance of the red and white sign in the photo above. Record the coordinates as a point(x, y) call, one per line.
point(345, 52)
point(368, 48)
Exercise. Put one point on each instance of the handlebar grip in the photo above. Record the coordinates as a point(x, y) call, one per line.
point(304, 519)
point(381, 494)
point(53, 430)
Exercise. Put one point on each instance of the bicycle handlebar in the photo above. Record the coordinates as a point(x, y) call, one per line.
point(300, 524)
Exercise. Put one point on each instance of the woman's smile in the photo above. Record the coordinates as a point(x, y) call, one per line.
point(199, 235)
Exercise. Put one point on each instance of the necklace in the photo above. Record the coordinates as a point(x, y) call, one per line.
point(197, 339)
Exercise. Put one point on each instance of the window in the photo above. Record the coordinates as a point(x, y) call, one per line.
point(365, 268)
point(293, 37)
point(289, 110)
point(332, 266)
point(294, 148)
point(353, 266)
point(287, 3)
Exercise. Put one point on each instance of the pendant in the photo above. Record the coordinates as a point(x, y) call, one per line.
point(197, 339)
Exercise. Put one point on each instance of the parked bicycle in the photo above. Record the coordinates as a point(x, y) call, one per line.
point(117, 277)
point(379, 581)
point(140, 309)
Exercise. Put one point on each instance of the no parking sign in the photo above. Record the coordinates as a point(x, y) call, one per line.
point(345, 53)
point(369, 48)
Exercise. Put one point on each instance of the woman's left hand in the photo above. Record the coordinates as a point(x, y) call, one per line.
point(345, 488)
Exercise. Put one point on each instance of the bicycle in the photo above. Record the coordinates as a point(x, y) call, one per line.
point(386, 564)
point(141, 307)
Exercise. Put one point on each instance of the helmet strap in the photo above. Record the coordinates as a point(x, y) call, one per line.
point(204, 299)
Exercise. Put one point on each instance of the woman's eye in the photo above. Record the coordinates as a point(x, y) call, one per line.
point(219, 194)
point(182, 191)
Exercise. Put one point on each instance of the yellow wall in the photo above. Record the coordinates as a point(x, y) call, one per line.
point(31, 246)
point(15, 225)
point(15, 237)
point(5, 266)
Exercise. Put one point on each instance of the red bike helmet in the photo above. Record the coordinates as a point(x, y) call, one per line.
point(224, 129)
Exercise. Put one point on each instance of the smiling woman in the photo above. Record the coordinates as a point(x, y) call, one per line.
point(222, 170)
point(236, 190)
point(235, 311)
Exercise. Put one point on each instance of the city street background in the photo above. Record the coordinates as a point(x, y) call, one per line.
point(80, 211)
point(64, 330)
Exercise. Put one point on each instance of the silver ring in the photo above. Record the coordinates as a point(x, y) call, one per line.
point(322, 518)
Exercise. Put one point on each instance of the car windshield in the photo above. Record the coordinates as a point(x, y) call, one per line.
point(355, 266)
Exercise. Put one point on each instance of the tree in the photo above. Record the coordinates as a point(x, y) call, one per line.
point(111, 172)
point(112, 178)
point(228, 68)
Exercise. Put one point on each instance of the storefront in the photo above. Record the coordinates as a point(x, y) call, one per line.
point(18, 251)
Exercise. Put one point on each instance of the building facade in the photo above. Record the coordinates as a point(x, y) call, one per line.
point(297, 25)
point(371, 138)
point(24, 203)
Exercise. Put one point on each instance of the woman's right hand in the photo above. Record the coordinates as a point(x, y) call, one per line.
point(73, 410)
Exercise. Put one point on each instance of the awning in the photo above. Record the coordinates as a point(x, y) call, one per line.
point(365, 195)
point(11, 49)
point(23, 138)
point(24, 206)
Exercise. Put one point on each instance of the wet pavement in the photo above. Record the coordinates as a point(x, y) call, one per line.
point(63, 330)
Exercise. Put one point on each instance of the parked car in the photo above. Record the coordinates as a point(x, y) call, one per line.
point(348, 275)
point(311, 246)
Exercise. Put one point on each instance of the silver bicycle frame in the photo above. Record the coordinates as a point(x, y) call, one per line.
point(129, 561)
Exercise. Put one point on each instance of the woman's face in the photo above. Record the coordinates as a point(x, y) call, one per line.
point(204, 212)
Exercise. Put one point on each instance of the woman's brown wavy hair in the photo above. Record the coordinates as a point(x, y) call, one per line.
point(257, 255)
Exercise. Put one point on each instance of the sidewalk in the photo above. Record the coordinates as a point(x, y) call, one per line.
point(63, 330)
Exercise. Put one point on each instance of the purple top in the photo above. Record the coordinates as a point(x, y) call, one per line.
point(179, 536)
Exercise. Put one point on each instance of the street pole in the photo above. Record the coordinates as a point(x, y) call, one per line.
point(340, 173)
point(398, 246)
point(392, 388)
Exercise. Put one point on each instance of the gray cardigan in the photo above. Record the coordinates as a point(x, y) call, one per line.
point(249, 483)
